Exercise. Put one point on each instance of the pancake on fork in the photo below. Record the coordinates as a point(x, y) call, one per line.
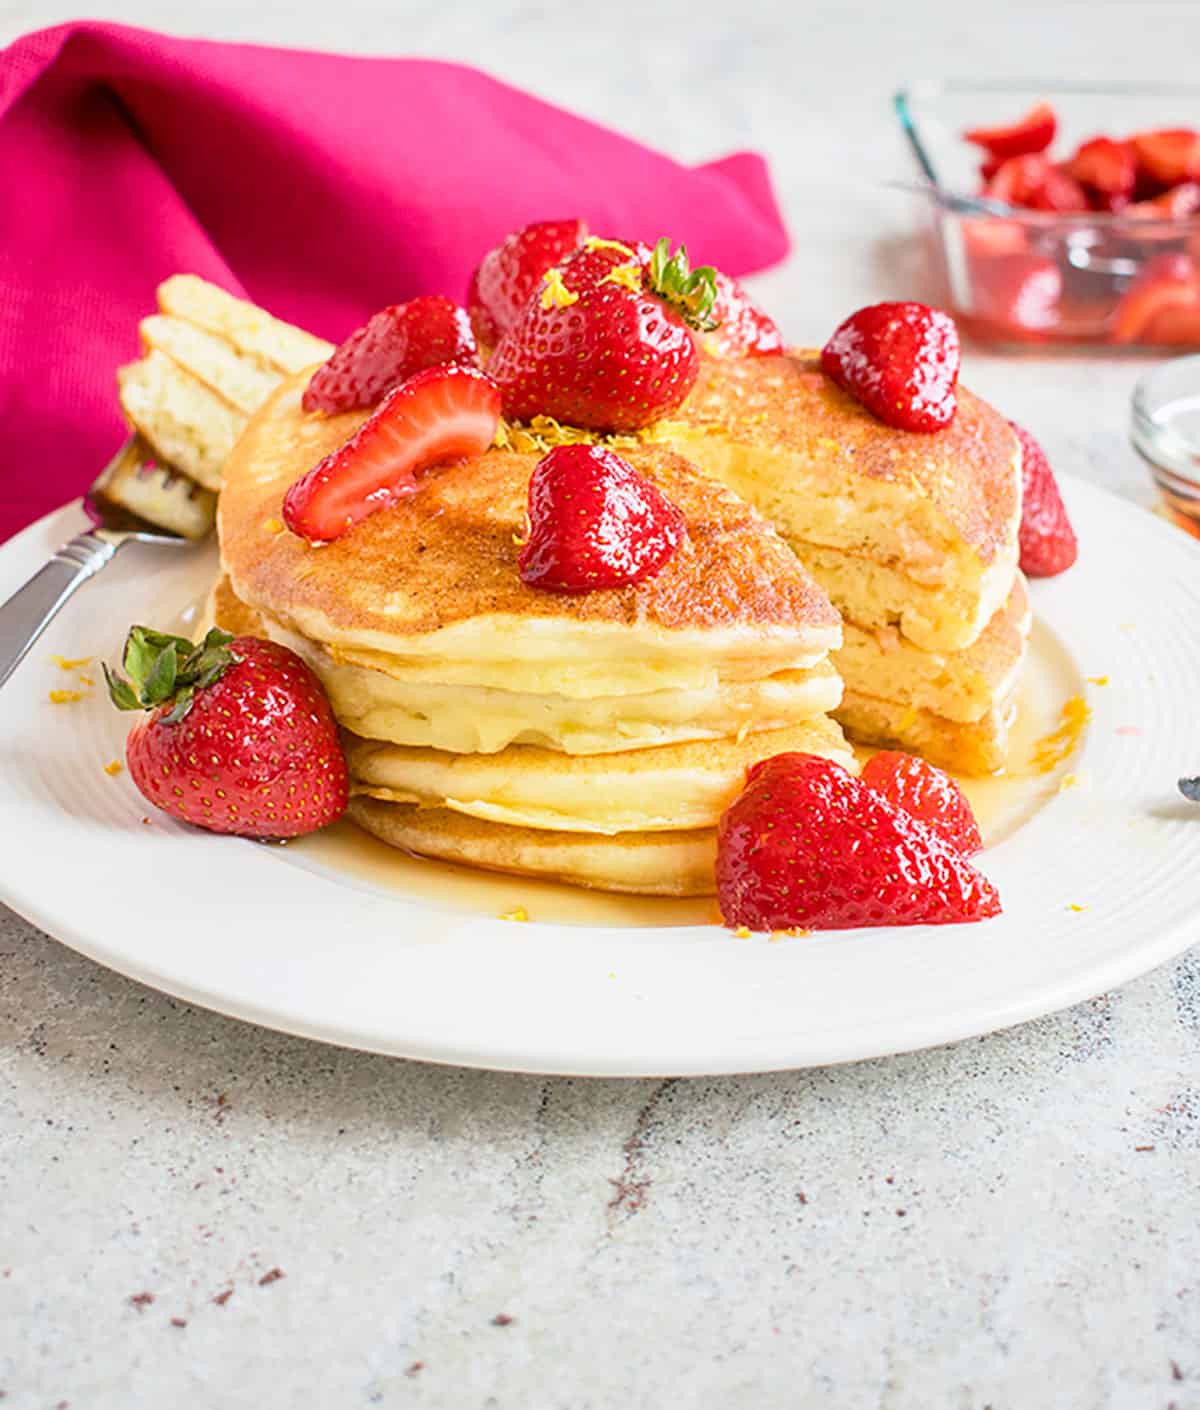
point(900, 528)
point(594, 737)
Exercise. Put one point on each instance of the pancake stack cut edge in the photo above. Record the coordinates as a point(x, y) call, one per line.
point(914, 537)
point(594, 738)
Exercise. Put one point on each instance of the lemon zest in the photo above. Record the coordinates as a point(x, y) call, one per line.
point(274, 526)
point(65, 697)
point(556, 294)
point(65, 663)
point(597, 242)
point(113, 768)
point(629, 276)
point(742, 932)
point(1097, 680)
point(1059, 744)
point(518, 913)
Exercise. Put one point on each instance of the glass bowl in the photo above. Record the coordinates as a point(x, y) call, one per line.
point(1018, 276)
point(1165, 430)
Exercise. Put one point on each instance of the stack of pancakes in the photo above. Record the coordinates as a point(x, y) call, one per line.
point(594, 738)
point(914, 537)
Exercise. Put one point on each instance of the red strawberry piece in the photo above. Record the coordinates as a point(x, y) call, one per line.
point(808, 844)
point(1175, 326)
point(1168, 281)
point(240, 737)
point(928, 794)
point(440, 415)
point(1176, 203)
point(1047, 540)
point(510, 273)
point(901, 361)
point(989, 167)
point(990, 235)
point(1060, 192)
point(608, 343)
point(1033, 133)
point(1019, 290)
point(743, 329)
point(595, 522)
point(1106, 167)
point(1019, 179)
point(387, 349)
point(1168, 157)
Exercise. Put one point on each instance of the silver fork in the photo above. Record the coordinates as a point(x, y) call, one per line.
point(134, 499)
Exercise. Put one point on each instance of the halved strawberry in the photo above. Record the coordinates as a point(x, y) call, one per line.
point(1047, 540)
point(808, 844)
point(442, 414)
point(595, 522)
point(509, 274)
point(1032, 133)
point(1168, 281)
point(1169, 156)
point(900, 360)
point(928, 794)
point(1107, 168)
point(387, 349)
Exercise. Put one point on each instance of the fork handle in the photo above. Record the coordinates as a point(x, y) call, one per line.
point(31, 609)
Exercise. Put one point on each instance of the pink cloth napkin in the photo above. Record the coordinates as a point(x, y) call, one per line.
point(321, 186)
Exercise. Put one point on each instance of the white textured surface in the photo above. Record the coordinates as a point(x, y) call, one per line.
point(648, 1239)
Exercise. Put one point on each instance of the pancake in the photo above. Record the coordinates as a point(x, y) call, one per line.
point(963, 686)
point(647, 864)
point(431, 584)
point(900, 528)
point(977, 748)
point(679, 786)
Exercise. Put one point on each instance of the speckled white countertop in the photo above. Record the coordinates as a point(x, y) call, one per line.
point(1011, 1222)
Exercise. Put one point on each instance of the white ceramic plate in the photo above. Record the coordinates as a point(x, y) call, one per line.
point(1099, 879)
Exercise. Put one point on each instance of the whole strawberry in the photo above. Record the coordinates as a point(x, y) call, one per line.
point(389, 348)
point(240, 737)
point(595, 522)
point(900, 360)
point(743, 329)
point(608, 343)
point(1048, 543)
point(931, 796)
point(808, 844)
point(509, 274)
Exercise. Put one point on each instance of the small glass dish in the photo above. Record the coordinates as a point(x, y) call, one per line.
point(1019, 276)
point(1165, 430)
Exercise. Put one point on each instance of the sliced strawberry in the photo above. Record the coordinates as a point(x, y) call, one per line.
point(808, 844)
point(989, 167)
point(510, 273)
point(930, 795)
point(1032, 133)
point(1168, 281)
point(1020, 290)
point(1176, 203)
point(595, 522)
point(900, 360)
point(1047, 540)
point(1036, 183)
point(743, 329)
point(1168, 157)
point(442, 414)
point(390, 347)
point(1106, 167)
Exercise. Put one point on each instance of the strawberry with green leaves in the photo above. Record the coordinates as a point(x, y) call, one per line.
point(607, 343)
point(239, 737)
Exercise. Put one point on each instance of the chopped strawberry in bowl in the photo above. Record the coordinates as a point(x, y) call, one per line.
point(1048, 206)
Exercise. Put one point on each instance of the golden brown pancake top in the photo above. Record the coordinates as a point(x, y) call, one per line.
point(785, 401)
point(449, 552)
